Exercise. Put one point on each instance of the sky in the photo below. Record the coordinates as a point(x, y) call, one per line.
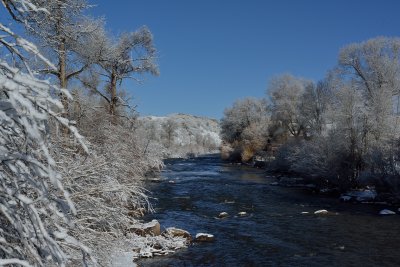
point(211, 53)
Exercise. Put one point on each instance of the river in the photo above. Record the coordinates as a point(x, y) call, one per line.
point(275, 232)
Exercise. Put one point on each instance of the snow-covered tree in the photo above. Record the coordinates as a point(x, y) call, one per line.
point(286, 94)
point(245, 126)
point(63, 33)
point(374, 69)
point(131, 54)
point(35, 209)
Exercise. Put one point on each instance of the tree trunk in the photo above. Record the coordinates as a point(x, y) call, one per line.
point(113, 91)
point(62, 76)
point(62, 61)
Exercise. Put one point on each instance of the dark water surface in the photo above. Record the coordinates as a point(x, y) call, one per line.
point(275, 232)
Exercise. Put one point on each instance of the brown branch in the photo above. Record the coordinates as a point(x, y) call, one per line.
point(77, 72)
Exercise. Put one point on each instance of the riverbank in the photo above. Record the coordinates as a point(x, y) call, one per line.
point(365, 194)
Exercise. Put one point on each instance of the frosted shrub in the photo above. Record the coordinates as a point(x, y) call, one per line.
point(35, 209)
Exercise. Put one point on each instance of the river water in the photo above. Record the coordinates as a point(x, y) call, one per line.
point(275, 232)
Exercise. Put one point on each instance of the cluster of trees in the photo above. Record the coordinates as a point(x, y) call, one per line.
point(341, 131)
point(179, 135)
point(65, 198)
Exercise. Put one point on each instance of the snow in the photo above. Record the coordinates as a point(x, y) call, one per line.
point(204, 235)
point(321, 212)
point(387, 212)
point(149, 246)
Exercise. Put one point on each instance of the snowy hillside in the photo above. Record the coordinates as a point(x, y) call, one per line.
point(179, 135)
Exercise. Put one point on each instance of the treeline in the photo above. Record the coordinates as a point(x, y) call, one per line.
point(342, 131)
point(71, 156)
point(180, 135)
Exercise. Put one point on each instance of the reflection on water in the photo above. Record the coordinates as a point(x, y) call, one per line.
point(275, 232)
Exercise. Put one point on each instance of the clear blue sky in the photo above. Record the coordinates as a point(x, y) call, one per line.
point(212, 52)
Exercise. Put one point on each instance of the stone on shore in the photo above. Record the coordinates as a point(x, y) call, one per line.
point(151, 228)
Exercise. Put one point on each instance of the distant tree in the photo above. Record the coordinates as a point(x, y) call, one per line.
point(169, 127)
point(241, 115)
point(315, 105)
point(245, 126)
point(286, 94)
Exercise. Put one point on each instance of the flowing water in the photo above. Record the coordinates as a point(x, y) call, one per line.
point(275, 232)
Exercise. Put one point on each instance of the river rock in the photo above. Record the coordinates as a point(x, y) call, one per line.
point(202, 237)
point(359, 195)
point(223, 215)
point(242, 213)
point(387, 212)
point(151, 228)
point(345, 198)
point(321, 212)
point(155, 180)
point(176, 232)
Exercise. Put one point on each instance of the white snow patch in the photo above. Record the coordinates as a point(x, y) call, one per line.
point(321, 212)
point(204, 235)
point(387, 212)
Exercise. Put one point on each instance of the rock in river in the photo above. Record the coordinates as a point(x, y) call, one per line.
point(359, 195)
point(242, 213)
point(172, 231)
point(223, 215)
point(202, 237)
point(321, 212)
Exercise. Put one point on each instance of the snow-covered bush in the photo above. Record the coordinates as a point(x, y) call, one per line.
point(35, 208)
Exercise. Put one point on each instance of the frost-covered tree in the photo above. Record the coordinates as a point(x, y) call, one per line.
point(245, 126)
point(241, 115)
point(35, 209)
point(169, 131)
point(63, 33)
point(286, 94)
point(131, 54)
point(374, 69)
